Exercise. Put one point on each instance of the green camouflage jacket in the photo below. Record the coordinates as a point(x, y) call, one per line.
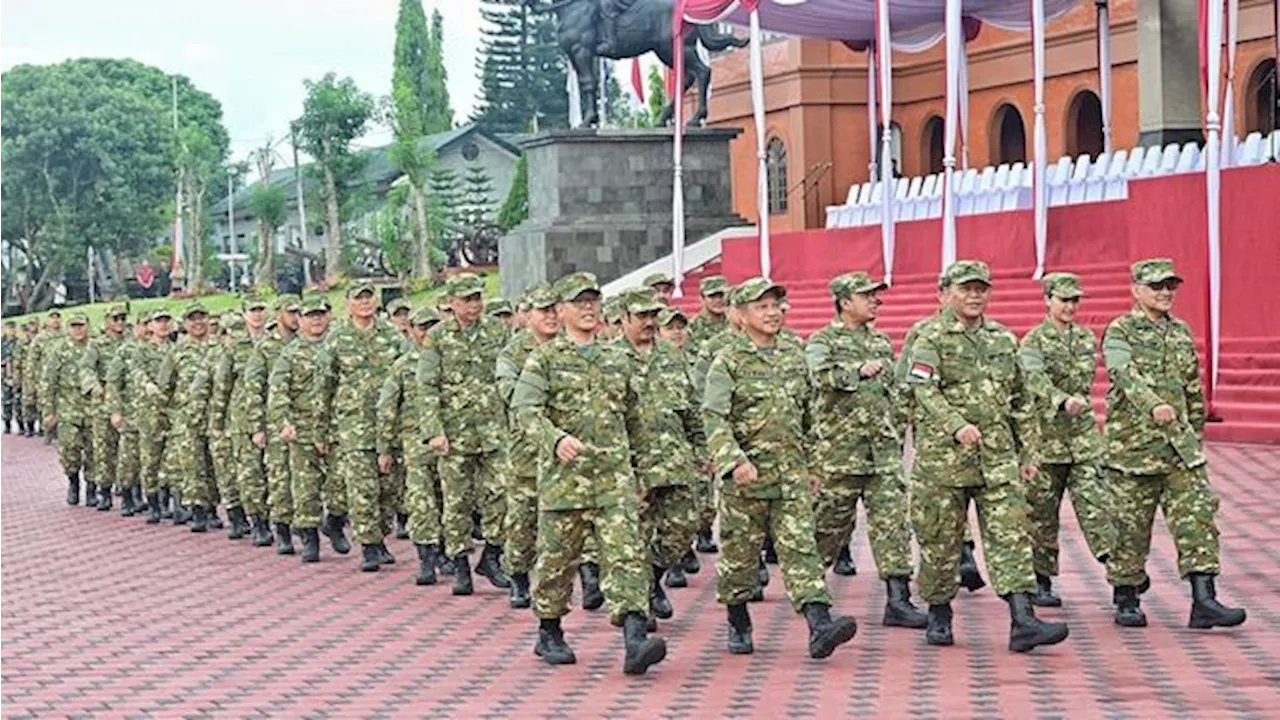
point(1152, 362)
point(33, 358)
point(857, 421)
point(151, 415)
point(522, 451)
point(459, 393)
point(244, 400)
point(291, 389)
point(703, 327)
point(63, 390)
point(351, 366)
point(399, 407)
point(257, 370)
point(707, 352)
point(757, 408)
point(1058, 366)
point(97, 365)
point(582, 391)
point(118, 386)
point(666, 438)
point(177, 382)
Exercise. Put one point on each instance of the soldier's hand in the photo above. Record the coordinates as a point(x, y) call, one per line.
point(151, 389)
point(439, 443)
point(745, 473)
point(706, 468)
point(117, 421)
point(288, 433)
point(1164, 414)
point(96, 393)
point(568, 448)
point(815, 484)
point(385, 463)
point(871, 369)
point(1028, 472)
point(969, 435)
point(1075, 405)
point(260, 440)
point(51, 421)
point(322, 449)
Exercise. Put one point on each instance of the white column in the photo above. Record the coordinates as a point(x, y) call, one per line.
point(873, 80)
point(884, 41)
point(1212, 179)
point(757, 107)
point(1041, 153)
point(1104, 71)
point(1228, 151)
point(955, 53)
point(677, 180)
point(962, 125)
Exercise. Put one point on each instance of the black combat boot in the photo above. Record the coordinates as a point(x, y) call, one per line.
point(592, 597)
point(1026, 631)
point(181, 513)
point(676, 577)
point(477, 532)
point(384, 555)
point(551, 646)
point(370, 561)
point(462, 584)
point(770, 551)
point(90, 494)
point(898, 610)
point(199, 520)
point(825, 632)
point(1206, 611)
point(73, 488)
point(642, 650)
point(104, 498)
point(239, 524)
point(211, 518)
point(426, 564)
point(762, 573)
point(689, 563)
point(1044, 595)
point(938, 630)
point(705, 543)
point(127, 508)
point(844, 563)
point(166, 511)
point(740, 630)
point(261, 533)
point(284, 539)
point(337, 538)
point(153, 509)
point(139, 500)
point(659, 604)
point(1128, 607)
point(757, 595)
point(969, 575)
point(520, 590)
point(444, 563)
point(310, 544)
point(491, 567)
point(402, 526)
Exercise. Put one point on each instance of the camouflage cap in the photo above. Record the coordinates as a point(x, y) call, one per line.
point(463, 284)
point(55, 313)
point(754, 289)
point(287, 302)
point(117, 311)
point(574, 284)
point(639, 300)
point(964, 271)
point(253, 302)
point(232, 323)
point(612, 309)
point(194, 309)
point(713, 285)
point(498, 306)
point(360, 287)
point(424, 316)
point(850, 284)
point(670, 315)
point(541, 296)
point(1154, 270)
point(78, 319)
point(1062, 284)
point(159, 313)
point(397, 305)
point(655, 279)
point(313, 304)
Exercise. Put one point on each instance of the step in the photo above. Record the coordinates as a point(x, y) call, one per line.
point(1252, 394)
point(1251, 377)
point(1243, 432)
point(1247, 412)
point(1259, 345)
point(1248, 361)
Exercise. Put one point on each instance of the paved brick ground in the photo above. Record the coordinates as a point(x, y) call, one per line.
point(105, 616)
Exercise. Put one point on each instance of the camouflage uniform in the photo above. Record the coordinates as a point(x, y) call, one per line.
point(12, 395)
point(64, 396)
point(150, 414)
point(292, 399)
point(33, 361)
point(963, 376)
point(857, 425)
point(188, 445)
point(245, 417)
point(461, 402)
point(400, 433)
point(520, 528)
point(276, 455)
point(704, 488)
point(218, 397)
point(1059, 365)
point(566, 389)
point(706, 325)
point(350, 368)
point(105, 442)
point(120, 398)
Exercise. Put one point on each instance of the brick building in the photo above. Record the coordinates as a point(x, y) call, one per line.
point(816, 90)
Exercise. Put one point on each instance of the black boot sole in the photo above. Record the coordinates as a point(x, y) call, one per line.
point(1040, 600)
point(1203, 621)
point(904, 619)
point(650, 653)
point(662, 611)
point(940, 640)
point(552, 659)
point(679, 582)
point(972, 581)
point(463, 591)
point(1048, 636)
point(1131, 621)
point(519, 603)
point(741, 647)
point(841, 631)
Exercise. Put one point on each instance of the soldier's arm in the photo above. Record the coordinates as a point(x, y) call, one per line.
point(113, 388)
point(48, 395)
point(507, 374)
point(1117, 353)
point(388, 408)
point(1026, 422)
point(428, 379)
point(925, 383)
point(220, 400)
point(827, 373)
point(255, 384)
point(529, 401)
point(691, 417)
point(1035, 374)
point(717, 405)
point(201, 390)
point(90, 383)
point(279, 395)
point(1196, 411)
point(324, 385)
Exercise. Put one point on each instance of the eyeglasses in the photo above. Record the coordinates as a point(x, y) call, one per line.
point(1169, 284)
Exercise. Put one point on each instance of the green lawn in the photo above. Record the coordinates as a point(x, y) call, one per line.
point(228, 301)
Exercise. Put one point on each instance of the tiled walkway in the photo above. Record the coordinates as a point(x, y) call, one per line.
point(106, 616)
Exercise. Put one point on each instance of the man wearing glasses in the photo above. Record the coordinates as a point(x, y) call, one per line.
point(1155, 455)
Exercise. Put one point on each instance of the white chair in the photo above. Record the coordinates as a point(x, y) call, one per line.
point(1076, 185)
point(930, 196)
point(1056, 178)
point(1115, 186)
point(1151, 165)
point(1271, 149)
point(833, 216)
point(1026, 194)
point(1251, 151)
point(1169, 159)
point(911, 207)
point(1095, 185)
point(1134, 167)
point(1188, 157)
point(968, 185)
point(1012, 185)
point(994, 199)
point(851, 197)
point(871, 209)
point(984, 190)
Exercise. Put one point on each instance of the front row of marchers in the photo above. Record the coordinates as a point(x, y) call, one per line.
point(580, 440)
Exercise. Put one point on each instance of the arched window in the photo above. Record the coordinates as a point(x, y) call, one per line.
point(1084, 125)
point(895, 147)
point(1008, 136)
point(1261, 104)
point(776, 162)
point(932, 145)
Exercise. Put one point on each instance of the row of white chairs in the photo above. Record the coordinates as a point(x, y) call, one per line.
point(1070, 181)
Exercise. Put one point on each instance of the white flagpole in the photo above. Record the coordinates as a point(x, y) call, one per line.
point(884, 41)
point(1104, 71)
point(757, 107)
point(677, 180)
point(1041, 152)
point(872, 111)
point(1228, 151)
point(1212, 180)
point(955, 50)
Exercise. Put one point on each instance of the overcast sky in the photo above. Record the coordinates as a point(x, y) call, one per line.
point(252, 55)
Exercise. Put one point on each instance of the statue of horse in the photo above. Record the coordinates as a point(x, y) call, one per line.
point(643, 26)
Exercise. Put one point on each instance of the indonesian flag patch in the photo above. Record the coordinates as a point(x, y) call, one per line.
point(921, 371)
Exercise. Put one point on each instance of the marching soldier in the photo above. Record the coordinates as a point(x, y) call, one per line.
point(105, 442)
point(221, 448)
point(276, 454)
point(662, 285)
point(33, 362)
point(188, 443)
point(120, 395)
point(245, 422)
point(12, 399)
point(151, 415)
point(64, 404)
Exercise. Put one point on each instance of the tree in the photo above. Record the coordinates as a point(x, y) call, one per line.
point(334, 114)
point(516, 207)
point(477, 201)
point(522, 71)
point(268, 205)
point(657, 94)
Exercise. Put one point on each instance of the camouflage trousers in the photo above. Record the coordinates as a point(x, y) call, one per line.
point(888, 517)
point(520, 529)
point(105, 452)
point(279, 484)
point(127, 458)
point(471, 482)
point(370, 494)
point(251, 475)
point(704, 500)
point(73, 447)
point(743, 524)
point(306, 477)
point(624, 571)
point(188, 455)
point(940, 515)
point(1093, 503)
point(669, 518)
point(30, 408)
point(1189, 506)
point(224, 471)
point(422, 494)
point(399, 477)
point(151, 457)
point(12, 405)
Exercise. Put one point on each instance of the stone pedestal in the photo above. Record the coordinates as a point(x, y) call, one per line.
point(600, 201)
point(1168, 72)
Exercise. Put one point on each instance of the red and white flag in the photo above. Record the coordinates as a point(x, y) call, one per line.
point(637, 80)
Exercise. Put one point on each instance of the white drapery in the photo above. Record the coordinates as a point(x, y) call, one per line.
point(1228, 152)
point(885, 66)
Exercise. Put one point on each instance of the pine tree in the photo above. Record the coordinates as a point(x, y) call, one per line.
point(657, 93)
point(477, 197)
point(522, 71)
point(439, 116)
